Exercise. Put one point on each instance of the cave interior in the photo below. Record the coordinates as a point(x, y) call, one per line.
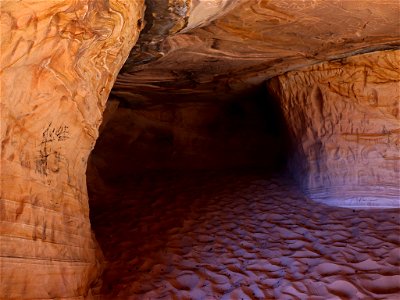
point(195, 194)
point(200, 149)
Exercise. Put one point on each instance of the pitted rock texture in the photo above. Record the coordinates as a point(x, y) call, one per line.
point(240, 236)
point(344, 118)
point(59, 60)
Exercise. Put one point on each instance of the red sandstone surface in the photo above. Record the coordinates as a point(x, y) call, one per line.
point(96, 94)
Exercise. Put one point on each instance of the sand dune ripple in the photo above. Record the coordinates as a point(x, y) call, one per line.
point(212, 236)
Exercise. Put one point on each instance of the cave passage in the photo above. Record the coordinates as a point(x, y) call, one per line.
point(218, 149)
point(192, 132)
point(190, 198)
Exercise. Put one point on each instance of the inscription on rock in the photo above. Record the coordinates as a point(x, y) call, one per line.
point(50, 155)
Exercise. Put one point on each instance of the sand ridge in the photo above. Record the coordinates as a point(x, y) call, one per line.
point(231, 236)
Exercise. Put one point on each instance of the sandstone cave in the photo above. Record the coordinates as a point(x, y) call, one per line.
point(200, 149)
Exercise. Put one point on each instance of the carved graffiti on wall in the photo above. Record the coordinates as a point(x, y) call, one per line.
point(50, 155)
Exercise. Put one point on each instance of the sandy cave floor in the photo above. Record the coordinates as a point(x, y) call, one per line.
point(232, 236)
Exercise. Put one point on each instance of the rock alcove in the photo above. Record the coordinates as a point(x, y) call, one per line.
point(231, 149)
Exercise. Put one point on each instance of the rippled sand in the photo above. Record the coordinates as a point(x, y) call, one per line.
point(230, 236)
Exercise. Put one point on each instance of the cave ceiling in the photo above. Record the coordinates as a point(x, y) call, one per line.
point(197, 47)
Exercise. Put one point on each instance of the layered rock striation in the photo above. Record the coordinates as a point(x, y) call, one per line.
point(343, 117)
point(59, 60)
point(257, 40)
point(332, 66)
point(260, 40)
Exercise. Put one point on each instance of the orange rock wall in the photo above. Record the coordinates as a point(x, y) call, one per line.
point(259, 39)
point(59, 60)
point(344, 117)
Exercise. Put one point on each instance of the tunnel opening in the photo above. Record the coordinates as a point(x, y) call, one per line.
point(244, 130)
point(191, 198)
point(188, 195)
point(152, 160)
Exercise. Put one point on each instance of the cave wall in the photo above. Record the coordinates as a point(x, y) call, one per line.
point(184, 133)
point(59, 61)
point(257, 40)
point(343, 116)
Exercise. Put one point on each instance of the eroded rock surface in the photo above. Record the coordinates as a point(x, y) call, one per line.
point(164, 18)
point(258, 39)
point(344, 118)
point(59, 60)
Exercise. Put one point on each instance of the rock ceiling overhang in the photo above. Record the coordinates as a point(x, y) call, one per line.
point(220, 46)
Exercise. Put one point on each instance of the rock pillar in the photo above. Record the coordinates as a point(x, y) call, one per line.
point(59, 60)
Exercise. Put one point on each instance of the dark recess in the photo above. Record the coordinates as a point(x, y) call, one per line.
point(244, 131)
